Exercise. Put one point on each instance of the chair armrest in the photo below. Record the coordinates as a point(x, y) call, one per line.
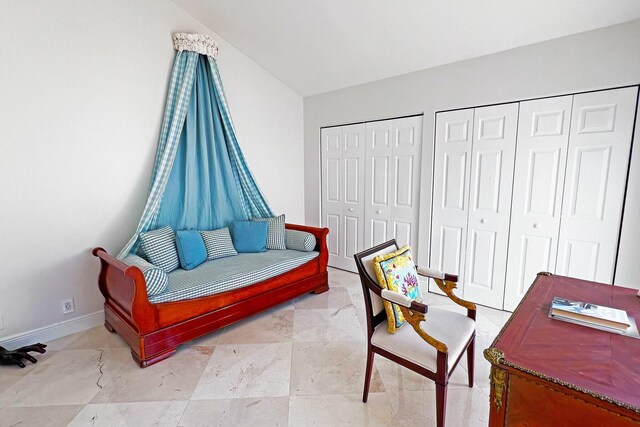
point(436, 274)
point(403, 300)
point(414, 318)
point(447, 283)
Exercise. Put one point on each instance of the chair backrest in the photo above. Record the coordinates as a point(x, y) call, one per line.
point(364, 263)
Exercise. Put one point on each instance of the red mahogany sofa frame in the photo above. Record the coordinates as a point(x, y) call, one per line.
point(154, 331)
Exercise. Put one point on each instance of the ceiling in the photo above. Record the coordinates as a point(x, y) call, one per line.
point(316, 46)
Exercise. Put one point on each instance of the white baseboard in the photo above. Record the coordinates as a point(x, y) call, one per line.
point(55, 331)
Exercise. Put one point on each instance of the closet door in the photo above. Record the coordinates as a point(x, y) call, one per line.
point(342, 193)
point(595, 182)
point(332, 183)
point(378, 228)
point(452, 164)
point(494, 145)
point(405, 180)
point(543, 137)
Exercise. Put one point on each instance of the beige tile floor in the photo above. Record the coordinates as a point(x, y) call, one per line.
point(301, 363)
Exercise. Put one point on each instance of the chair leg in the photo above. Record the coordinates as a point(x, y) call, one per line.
point(367, 376)
point(470, 359)
point(441, 404)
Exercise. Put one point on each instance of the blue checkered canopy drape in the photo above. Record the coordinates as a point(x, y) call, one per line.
point(200, 177)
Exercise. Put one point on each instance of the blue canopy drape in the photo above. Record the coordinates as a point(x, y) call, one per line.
point(200, 177)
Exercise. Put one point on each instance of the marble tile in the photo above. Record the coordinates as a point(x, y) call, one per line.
point(246, 370)
point(342, 278)
point(97, 337)
point(498, 317)
point(172, 379)
point(9, 375)
point(334, 298)
point(341, 410)
point(322, 325)
point(396, 377)
point(271, 411)
point(162, 414)
point(61, 343)
point(71, 377)
point(330, 368)
point(51, 416)
point(486, 391)
point(465, 407)
point(267, 327)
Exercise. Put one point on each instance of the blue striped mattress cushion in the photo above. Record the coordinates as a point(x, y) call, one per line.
point(225, 274)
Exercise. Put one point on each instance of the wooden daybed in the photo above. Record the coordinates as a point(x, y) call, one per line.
point(154, 331)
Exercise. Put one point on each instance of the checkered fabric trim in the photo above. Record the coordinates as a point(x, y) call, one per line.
point(160, 248)
point(275, 232)
point(300, 240)
point(255, 204)
point(218, 243)
point(180, 89)
point(155, 278)
point(230, 273)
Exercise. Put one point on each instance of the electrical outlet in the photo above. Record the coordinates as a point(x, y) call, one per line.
point(67, 306)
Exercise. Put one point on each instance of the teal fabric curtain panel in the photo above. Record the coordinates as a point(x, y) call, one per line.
point(255, 204)
point(200, 177)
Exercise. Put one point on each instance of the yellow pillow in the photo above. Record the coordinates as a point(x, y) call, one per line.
point(397, 272)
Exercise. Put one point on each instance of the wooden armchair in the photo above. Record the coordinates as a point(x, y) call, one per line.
point(435, 343)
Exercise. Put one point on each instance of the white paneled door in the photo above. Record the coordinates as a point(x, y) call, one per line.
point(493, 154)
point(595, 182)
point(453, 139)
point(543, 137)
point(379, 154)
point(405, 180)
point(531, 186)
point(373, 195)
point(342, 192)
point(392, 181)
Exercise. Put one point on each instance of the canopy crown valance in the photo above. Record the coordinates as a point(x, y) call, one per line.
point(199, 43)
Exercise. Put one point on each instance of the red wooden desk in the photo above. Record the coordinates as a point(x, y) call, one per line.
point(549, 372)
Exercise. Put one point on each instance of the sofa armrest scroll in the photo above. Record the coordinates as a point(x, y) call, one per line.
point(124, 285)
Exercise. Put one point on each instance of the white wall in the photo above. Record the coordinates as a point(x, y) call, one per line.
point(82, 90)
point(593, 60)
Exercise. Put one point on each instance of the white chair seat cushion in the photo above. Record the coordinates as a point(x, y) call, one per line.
point(451, 328)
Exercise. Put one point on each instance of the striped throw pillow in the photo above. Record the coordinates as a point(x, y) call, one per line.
point(218, 243)
point(275, 232)
point(155, 278)
point(300, 240)
point(160, 248)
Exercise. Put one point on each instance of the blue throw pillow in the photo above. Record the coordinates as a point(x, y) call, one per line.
point(249, 236)
point(191, 249)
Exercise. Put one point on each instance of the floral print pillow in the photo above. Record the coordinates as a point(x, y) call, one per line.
point(397, 272)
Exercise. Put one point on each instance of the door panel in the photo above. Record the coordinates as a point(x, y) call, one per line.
point(331, 148)
point(595, 181)
point(406, 151)
point(378, 183)
point(453, 142)
point(342, 199)
point(493, 153)
point(393, 149)
point(543, 138)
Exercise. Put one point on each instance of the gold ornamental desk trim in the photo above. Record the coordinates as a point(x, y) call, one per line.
point(498, 380)
point(497, 377)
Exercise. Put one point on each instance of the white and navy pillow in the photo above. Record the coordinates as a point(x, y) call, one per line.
point(218, 243)
point(160, 248)
point(155, 278)
point(300, 240)
point(275, 232)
